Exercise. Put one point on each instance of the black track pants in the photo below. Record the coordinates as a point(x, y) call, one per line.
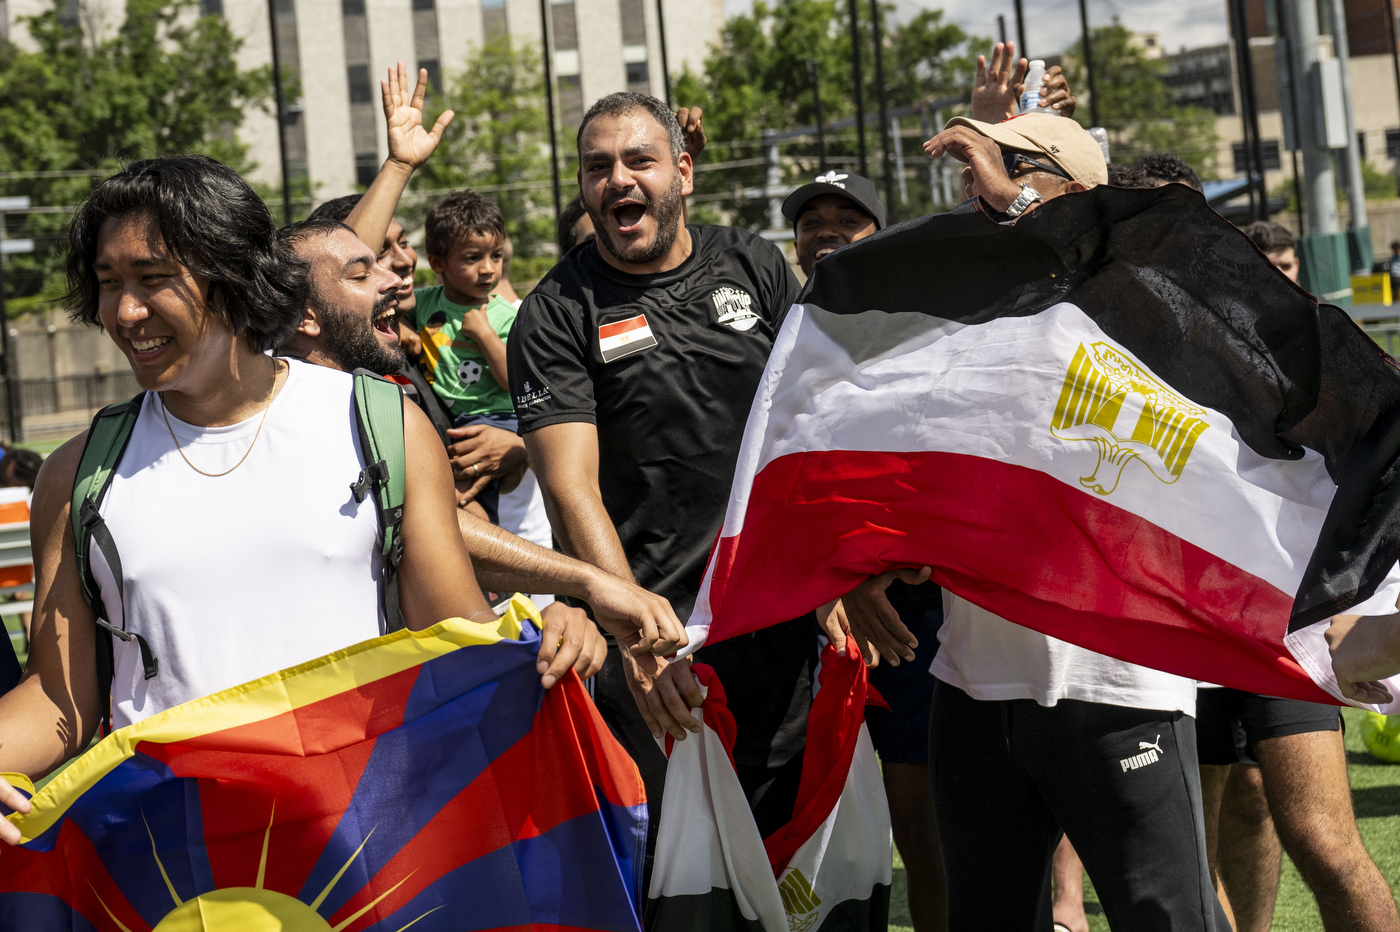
point(1009, 777)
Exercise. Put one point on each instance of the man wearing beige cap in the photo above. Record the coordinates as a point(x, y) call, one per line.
point(1032, 738)
point(1017, 164)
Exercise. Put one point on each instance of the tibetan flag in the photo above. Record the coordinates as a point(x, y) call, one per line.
point(828, 868)
point(1112, 421)
point(421, 780)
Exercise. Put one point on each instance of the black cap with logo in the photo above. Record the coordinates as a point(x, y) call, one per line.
point(859, 190)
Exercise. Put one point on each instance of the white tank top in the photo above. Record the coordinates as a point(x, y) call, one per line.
point(233, 578)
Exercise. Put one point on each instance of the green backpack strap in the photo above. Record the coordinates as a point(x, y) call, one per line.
point(379, 420)
point(106, 442)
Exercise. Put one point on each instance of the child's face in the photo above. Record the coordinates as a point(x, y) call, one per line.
point(473, 267)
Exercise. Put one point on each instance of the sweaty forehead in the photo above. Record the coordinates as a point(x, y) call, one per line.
point(620, 132)
point(335, 253)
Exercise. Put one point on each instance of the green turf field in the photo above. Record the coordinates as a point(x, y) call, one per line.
point(1375, 791)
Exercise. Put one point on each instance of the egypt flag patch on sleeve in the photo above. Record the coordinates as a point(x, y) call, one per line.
point(625, 337)
point(827, 869)
point(1113, 422)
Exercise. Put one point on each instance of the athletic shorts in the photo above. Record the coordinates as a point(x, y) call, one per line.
point(1230, 722)
point(900, 735)
point(489, 498)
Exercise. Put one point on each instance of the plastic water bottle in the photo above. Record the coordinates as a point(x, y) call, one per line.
point(1101, 137)
point(1030, 99)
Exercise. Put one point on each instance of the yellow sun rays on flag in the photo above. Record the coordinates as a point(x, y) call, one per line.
point(253, 909)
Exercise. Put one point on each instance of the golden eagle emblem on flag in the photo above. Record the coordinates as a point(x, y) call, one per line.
point(1111, 401)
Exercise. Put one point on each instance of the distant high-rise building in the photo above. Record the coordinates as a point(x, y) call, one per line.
point(337, 53)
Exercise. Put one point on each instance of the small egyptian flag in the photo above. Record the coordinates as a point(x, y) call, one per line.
point(827, 868)
point(625, 337)
point(1113, 422)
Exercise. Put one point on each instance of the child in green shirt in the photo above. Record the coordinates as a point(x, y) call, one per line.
point(463, 324)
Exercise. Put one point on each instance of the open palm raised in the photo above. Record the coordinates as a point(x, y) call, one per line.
point(409, 142)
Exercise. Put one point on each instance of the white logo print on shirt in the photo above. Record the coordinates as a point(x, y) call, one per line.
point(735, 308)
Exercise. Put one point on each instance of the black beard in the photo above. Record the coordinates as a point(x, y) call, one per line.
point(351, 342)
point(666, 210)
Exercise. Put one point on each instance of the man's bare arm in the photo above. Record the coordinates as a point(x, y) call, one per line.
point(409, 147)
point(1365, 650)
point(54, 711)
point(436, 580)
point(565, 458)
point(506, 563)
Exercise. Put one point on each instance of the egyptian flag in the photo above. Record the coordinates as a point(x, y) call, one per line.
point(422, 780)
point(1112, 421)
point(827, 869)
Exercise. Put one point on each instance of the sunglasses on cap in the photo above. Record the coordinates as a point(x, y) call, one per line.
point(1011, 158)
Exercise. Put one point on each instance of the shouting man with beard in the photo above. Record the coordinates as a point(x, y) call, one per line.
point(633, 364)
point(348, 324)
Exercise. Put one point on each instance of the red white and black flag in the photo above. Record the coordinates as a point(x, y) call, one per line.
point(1113, 422)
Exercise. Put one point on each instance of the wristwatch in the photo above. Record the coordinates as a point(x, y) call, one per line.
point(1026, 198)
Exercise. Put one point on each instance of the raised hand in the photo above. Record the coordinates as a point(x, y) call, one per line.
point(409, 143)
point(1055, 94)
point(690, 120)
point(997, 88)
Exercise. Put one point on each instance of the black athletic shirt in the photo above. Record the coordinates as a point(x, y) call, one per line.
point(684, 352)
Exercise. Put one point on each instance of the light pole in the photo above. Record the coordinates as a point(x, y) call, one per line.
point(1088, 65)
point(860, 88)
point(549, 106)
point(281, 111)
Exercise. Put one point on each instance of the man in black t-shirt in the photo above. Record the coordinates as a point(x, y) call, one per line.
point(633, 365)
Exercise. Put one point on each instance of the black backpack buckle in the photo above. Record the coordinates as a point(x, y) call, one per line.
point(374, 474)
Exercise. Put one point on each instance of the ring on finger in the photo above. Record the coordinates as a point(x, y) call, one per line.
point(475, 471)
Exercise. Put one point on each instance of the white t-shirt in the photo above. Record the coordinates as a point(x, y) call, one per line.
point(991, 659)
point(232, 578)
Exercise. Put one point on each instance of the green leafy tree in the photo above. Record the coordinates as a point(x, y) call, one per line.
point(77, 106)
point(757, 79)
point(1134, 104)
point(499, 145)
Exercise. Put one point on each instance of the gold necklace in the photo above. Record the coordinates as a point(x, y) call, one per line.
point(214, 475)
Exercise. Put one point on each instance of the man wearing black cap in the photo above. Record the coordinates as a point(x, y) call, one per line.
point(833, 210)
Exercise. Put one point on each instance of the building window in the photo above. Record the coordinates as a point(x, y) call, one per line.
point(424, 4)
point(211, 7)
point(434, 74)
point(366, 167)
point(637, 74)
point(352, 7)
point(570, 100)
point(1271, 156)
point(359, 84)
point(1392, 143)
point(493, 18)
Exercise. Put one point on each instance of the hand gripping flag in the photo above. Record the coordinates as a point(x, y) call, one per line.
point(422, 780)
point(828, 868)
point(1112, 422)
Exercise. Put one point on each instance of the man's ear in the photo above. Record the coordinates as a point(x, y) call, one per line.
point(687, 169)
point(1074, 187)
point(310, 322)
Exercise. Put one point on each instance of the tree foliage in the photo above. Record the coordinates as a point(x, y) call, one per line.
point(757, 79)
point(498, 144)
point(1134, 104)
point(79, 103)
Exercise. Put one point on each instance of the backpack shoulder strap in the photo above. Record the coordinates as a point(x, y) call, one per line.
point(379, 421)
point(106, 442)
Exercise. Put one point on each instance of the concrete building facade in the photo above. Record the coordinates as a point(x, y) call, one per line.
point(339, 49)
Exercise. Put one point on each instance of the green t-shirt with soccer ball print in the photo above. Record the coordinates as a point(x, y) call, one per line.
point(455, 367)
